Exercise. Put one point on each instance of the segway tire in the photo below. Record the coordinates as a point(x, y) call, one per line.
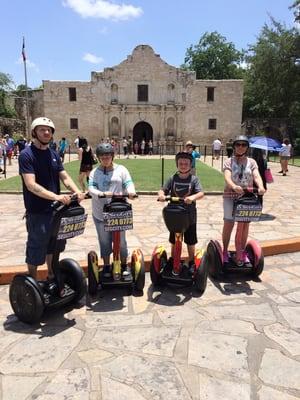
point(257, 268)
point(201, 274)
point(74, 277)
point(154, 275)
point(213, 260)
point(92, 281)
point(26, 299)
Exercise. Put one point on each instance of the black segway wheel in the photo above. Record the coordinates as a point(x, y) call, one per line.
point(214, 261)
point(138, 270)
point(256, 257)
point(26, 299)
point(158, 262)
point(201, 273)
point(93, 273)
point(74, 277)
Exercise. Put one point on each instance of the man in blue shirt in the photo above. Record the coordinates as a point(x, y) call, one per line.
point(41, 170)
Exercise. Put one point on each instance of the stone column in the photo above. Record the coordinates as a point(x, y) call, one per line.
point(106, 122)
point(162, 124)
point(123, 121)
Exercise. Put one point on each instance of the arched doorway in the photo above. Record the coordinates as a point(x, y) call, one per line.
point(142, 130)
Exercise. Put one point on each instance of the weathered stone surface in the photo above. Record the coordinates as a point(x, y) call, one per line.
point(292, 315)
point(147, 340)
point(97, 321)
point(158, 378)
point(230, 326)
point(281, 281)
point(279, 370)
point(40, 354)
point(267, 393)
point(68, 384)
point(112, 389)
point(286, 337)
point(212, 388)
point(19, 387)
point(205, 351)
point(259, 312)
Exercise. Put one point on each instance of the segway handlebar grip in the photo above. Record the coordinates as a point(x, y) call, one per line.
point(56, 204)
point(115, 196)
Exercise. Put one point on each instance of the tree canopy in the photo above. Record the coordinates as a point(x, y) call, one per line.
point(214, 58)
point(6, 84)
point(272, 81)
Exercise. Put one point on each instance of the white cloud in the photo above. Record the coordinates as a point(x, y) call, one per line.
point(29, 64)
point(103, 9)
point(92, 58)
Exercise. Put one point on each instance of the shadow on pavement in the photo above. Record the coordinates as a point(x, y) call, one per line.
point(234, 284)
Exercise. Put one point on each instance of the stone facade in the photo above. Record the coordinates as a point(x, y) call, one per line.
point(144, 97)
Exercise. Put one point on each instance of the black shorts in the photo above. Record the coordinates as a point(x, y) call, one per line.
point(190, 236)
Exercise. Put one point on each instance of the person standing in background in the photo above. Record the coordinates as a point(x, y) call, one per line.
point(216, 146)
point(285, 155)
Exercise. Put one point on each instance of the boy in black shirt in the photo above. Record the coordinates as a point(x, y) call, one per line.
point(184, 185)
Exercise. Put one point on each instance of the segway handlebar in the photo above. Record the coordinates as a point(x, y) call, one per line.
point(57, 204)
point(174, 199)
point(116, 196)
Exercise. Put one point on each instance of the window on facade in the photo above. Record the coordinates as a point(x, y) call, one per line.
point(142, 92)
point(210, 94)
point(212, 123)
point(72, 94)
point(73, 123)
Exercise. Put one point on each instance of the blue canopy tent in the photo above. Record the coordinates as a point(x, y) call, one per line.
point(265, 143)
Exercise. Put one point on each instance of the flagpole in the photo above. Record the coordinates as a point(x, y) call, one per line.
point(26, 92)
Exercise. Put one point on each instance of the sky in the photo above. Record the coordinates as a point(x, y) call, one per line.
point(67, 39)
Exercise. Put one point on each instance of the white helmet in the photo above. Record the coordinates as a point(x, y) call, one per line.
point(42, 121)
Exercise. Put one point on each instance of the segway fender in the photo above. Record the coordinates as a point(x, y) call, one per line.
point(198, 258)
point(156, 255)
point(257, 251)
point(136, 260)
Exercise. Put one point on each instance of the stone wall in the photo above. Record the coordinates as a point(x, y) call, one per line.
point(177, 108)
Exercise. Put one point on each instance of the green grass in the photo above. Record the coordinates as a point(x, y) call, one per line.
point(146, 175)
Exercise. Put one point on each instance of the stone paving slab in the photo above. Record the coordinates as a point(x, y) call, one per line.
point(240, 340)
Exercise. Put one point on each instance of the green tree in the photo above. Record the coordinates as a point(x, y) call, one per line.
point(272, 84)
point(214, 58)
point(6, 85)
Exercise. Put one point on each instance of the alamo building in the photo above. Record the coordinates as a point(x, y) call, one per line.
point(145, 98)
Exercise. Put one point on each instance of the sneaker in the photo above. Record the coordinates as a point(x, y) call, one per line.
point(51, 287)
point(284, 174)
point(225, 257)
point(126, 272)
point(106, 273)
point(280, 172)
point(247, 262)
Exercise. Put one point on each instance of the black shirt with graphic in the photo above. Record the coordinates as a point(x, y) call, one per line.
point(183, 187)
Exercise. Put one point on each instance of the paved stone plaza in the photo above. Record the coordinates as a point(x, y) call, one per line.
point(240, 340)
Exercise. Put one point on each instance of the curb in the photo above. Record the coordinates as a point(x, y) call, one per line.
point(269, 247)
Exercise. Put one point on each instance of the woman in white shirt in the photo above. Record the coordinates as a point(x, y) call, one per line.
point(285, 154)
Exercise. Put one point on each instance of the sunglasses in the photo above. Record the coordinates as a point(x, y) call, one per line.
point(241, 144)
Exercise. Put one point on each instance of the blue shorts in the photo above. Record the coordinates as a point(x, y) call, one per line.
point(38, 241)
point(105, 240)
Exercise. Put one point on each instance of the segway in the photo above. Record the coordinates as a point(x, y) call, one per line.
point(28, 297)
point(117, 217)
point(176, 271)
point(247, 208)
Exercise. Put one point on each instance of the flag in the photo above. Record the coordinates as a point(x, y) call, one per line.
point(23, 50)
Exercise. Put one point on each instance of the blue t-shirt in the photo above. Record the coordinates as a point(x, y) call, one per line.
point(46, 166)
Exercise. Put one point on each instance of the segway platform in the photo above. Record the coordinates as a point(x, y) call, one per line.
point(185, 277)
